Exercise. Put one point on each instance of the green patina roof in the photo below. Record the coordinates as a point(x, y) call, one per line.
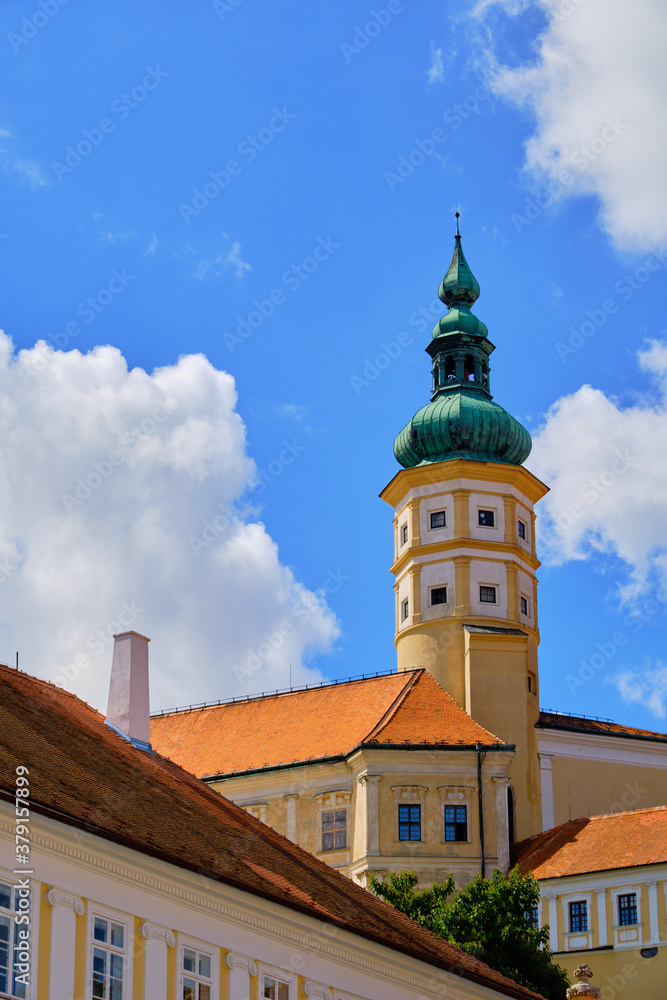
point(461, 421)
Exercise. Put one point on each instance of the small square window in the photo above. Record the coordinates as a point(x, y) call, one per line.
point(627, 909)
point(532, 918)
point(404, 534)
point(487, 518)
point(578, 917)
point(439, 595)
point(409, 822)
point(523, 601)
point(456, 823)
point(275, 989)
point(487, 595)
point(438, 519)
point(522, 529)
point(405, 609)
point(334, 830)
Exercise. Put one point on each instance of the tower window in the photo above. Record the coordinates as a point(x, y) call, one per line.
point(522, 529)
point(409, 822)
point(405, 609)
point(627, 909)
point(578, 917)
point(404, 534)
point(438, 519)
point(439, 595)
point(450, 369)
point(469, 368)
point(523, 601)
point(456, 823)
point(486, 518)
point(334, 829)
point(532, 682)
point(487, 595)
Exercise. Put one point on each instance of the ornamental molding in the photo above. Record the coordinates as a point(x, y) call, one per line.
point(456, 793)
point(336, 797)
point(369, 779)
point(324, 939)
point(259, 811)
point(235, 961)
point(409, 793)
point(150, 932)
point(312, 989)
point(56, 897)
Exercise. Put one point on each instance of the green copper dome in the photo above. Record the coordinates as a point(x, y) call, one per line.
point(461, 421)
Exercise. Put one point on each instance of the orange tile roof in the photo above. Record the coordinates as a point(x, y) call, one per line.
point(596, 843)
point(554, 720)
point(323, 722)
point(84, 774)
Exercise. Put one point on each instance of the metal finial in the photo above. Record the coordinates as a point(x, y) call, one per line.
point(458, 216)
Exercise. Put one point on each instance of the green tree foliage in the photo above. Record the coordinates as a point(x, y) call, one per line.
point(489, 919)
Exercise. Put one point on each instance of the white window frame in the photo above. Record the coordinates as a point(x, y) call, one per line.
point(438, 586)
point(488, 604)
point(10, 879)
point(578, 897)
point(106, 913)
point(490, 510)
point(185, 941)
point(619, 928)
point(276, 973)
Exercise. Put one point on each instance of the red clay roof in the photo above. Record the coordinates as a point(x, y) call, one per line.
point(596, 843)
point(554, 720)
point(83, 773)
point(323, 722)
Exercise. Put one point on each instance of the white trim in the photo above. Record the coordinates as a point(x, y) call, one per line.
point(312, 989)
point(9, 878)
point(56, 897)
point(547, 788)
point(623, 935)
point(118, 917)
point(573, 938)
point(235, 961)
point(275, 972)
point(150, 932)
point(185, 941)
point(599, 747)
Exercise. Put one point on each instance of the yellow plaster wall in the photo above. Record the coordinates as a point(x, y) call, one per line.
point(621, 973)
point(80, 954)
point(44, 945)
point(590, 788)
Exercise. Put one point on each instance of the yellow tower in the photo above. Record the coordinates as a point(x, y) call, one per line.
point(464, 544)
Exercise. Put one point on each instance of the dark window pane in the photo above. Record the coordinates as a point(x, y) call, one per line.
point(522, 529)
point(283, 991)
point(578, 917)
point(341, 817)
point(204, 991)
point(5, 896)
point(189, 987)
point(524, 606)
point(205, 966)
point(269, 988)
point(487, 595)
point(486, 518)
point(100, 928)
point(341, 839)
point(439, 595)
point(438, 519)
point(327, 820)
point(189, 960)
point(627, 909)
point(327, 841)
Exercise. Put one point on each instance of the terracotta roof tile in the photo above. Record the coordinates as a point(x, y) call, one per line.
point(85, 774)
point(554, 720)
point(323, 722)
point(596, 843)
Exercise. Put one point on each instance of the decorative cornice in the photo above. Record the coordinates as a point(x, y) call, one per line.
point(56, 897)
point(369, 779)
point(150, 931)
point(235, 961)
point(312, 989)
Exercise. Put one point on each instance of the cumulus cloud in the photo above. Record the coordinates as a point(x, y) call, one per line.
point(128, 501)
point(596, 91)
point(605, 466)
point(648, 689)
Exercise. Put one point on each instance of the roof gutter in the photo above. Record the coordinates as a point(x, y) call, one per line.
point(338, 758)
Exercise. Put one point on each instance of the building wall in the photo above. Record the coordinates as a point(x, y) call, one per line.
point(164, 909)
point(371, 786)
point(614, 953)
point(590, 774)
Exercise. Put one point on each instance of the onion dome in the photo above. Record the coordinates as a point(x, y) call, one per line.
point(461, 421)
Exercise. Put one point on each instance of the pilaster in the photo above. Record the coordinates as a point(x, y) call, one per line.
point(290, 822)
point(370, 788)
point(602, 916)
point(461, 513)
point(502, 826)
point(510, 520)
point(546, 780)
point(415, 595)
point(65, 906)
point(462, 585)
point(157, 940)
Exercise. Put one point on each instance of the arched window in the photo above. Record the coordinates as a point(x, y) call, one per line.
point(469, 368)
point(450, 368)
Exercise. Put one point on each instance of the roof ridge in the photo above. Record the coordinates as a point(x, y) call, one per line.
point(395, 705)
point(15, 672)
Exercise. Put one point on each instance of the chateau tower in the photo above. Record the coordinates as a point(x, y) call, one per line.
point(464, 543)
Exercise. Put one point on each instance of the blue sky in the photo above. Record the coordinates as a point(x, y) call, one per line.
point(305, 115)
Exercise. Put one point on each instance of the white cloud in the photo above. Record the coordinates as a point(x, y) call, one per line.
point(647, 688)
point(436, 71)
point(108, 237)
point(605, 465)
point(596, 64)
point(152, 245)
point(30, 170)
point(227, 259)
point(121, 489)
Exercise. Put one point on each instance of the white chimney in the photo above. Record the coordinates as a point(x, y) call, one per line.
point(128, 711)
